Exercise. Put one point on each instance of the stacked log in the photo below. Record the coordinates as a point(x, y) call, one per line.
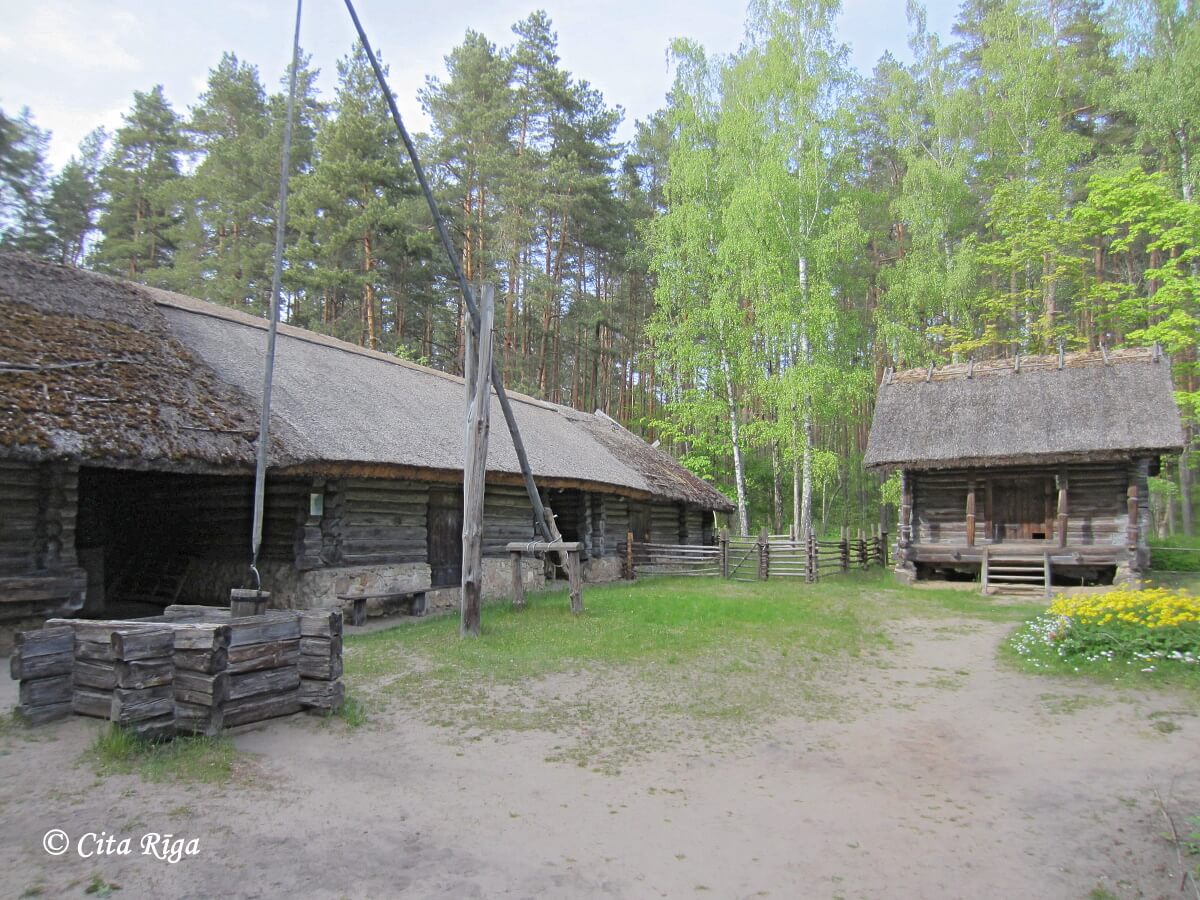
point(264, 679)
point(320, 665)
point(42, 662)
point(124, 672)
point(201, 661)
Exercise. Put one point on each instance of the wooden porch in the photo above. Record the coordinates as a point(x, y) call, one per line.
point(1019, 566)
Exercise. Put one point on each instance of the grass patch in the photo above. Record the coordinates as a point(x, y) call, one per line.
point(1177, 553)
point(193, 759)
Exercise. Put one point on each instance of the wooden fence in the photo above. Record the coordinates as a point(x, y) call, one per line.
point(761, 558)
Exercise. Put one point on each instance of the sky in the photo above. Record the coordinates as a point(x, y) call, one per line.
point(76, 63)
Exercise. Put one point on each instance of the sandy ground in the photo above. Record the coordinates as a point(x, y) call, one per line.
point(956, 777)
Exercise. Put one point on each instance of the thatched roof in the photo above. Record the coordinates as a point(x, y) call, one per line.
point(335, 406)
point(1092, 407)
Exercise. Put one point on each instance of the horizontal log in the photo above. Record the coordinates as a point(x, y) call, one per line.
point(145, 673)
point(204, 661)
point(320, 623)
point(49, 641)
point(40, 715)
point(201, 689)
point(101, 630)
point(158, 728)
point(273, 626)
point(46, 665)
point(262, 706)
point(192, 718)
point(201, 636)
point(92, 702)
point(326, 648)
point(45, 691)
point(322, 695)
point(320, 668)
point(135, 704)
point(131, 644)
point(266, 681)
point(94, 650)
point(271, 655)
point(94, 674)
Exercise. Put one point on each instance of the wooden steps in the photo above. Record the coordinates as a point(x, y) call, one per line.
point(1015, 574)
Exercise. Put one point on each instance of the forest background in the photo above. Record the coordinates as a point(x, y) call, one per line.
point(734, 281)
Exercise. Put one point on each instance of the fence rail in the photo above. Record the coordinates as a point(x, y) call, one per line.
point(759, 559)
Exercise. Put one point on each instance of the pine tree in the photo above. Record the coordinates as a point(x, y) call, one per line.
point(74, 202)
point(138, 181)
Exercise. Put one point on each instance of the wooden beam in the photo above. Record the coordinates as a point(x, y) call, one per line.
point(1063, 509)
point(518, 581)
point(575, 580)
point(971, 513)
point(475, 466)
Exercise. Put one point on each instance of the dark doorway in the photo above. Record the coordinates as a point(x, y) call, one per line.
point(445, 537)
point(1020, 509)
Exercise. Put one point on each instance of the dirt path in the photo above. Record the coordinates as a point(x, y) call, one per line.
point(950, 776)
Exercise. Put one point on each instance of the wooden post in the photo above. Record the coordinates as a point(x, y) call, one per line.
point(906, 507)
point(575, 581)
point(810, 557)
point(723, 544)
point(1046, 573)
point(1063, 511)
point(629, 555)
point(971, 513)
point(764, 555)
point(983, 572)
point(518, 581)
point(845, 548)
point(861, 550)
point(475, 466)
point(883, 548)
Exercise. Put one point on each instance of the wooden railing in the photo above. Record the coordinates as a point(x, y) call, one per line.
point(761, 558)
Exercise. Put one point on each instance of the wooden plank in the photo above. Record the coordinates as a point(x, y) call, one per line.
point(202, 636)
point(44, 665)
point(272, 655)
point(49, 641)
point(152, 729)
point(91, 702)
point(320, 668)
point(144, 673)
point(518, 579)
point(320, 623)
point(322, 695)
point(267, 681)
point(204, 661)
point(325, 648)
point(282, 626)
point(135, 704)
point(197, 719)
point(200, 689)
point(575, 581)
point(262, 706)
point(40, 715)
point(95, 674)
point(143, 643)
point(45, 691)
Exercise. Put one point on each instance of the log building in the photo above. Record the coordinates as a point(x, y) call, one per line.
point(1026, 472)
point(128, 429)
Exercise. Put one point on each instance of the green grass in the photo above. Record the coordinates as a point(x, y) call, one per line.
point(1186, 560)
point(191, 759)
point(648, 665)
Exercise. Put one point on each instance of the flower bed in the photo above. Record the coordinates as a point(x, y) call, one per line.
point(1134, 627)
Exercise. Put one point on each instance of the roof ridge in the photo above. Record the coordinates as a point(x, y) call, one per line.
point(162, 297)
point(1011, 366)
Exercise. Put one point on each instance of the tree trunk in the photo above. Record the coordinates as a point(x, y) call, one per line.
point(739, 474)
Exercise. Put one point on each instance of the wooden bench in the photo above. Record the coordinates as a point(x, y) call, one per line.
point(392, 601)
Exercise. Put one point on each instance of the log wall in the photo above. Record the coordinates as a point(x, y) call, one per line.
point(38, 565)
point(1096, 494)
